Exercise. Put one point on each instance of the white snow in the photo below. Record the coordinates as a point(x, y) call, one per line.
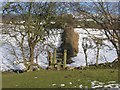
point(36, 77)
point(53, 84)
point(80, 86)
point(70, 83)
point(111, 84)
point(106, 53)
point(62, 85)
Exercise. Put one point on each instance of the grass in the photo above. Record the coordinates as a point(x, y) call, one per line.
point(45, 78)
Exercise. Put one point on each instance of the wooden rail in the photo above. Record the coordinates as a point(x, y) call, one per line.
point(60, 62)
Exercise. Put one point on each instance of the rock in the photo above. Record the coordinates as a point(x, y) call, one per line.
point(70, 68)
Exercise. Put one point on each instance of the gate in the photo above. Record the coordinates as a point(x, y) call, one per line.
point(55, 61)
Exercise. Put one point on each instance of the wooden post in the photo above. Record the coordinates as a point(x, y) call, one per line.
point(64, 58)
point(50, 58)
point(58, 65)
point(54, 56)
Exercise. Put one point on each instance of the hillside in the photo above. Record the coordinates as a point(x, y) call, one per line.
point(107, 52)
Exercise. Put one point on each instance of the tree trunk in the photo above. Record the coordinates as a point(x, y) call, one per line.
point(119, 63)
point(86, 57)
point(97, 56)
point(118, 53)
point(37, 54)
point(31, 46)
point(23, 55)
point(37, 59)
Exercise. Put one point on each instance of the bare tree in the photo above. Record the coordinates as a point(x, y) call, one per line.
point(29, 25)
point(85, 47)
point(98, 42)
point(104, 16)
point(86, 44)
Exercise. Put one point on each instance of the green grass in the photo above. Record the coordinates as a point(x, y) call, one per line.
point(45, 78)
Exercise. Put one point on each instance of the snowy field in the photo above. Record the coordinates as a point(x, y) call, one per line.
point(107, 52)
point(94, 85)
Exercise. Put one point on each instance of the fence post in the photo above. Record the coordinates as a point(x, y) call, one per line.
point(50, 58)
point(54, 56)
point(64, 58)
point(58, 65)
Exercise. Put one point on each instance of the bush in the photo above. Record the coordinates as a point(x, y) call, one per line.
point(70, 42)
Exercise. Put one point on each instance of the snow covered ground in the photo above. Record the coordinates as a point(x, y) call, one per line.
point(106, 53)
